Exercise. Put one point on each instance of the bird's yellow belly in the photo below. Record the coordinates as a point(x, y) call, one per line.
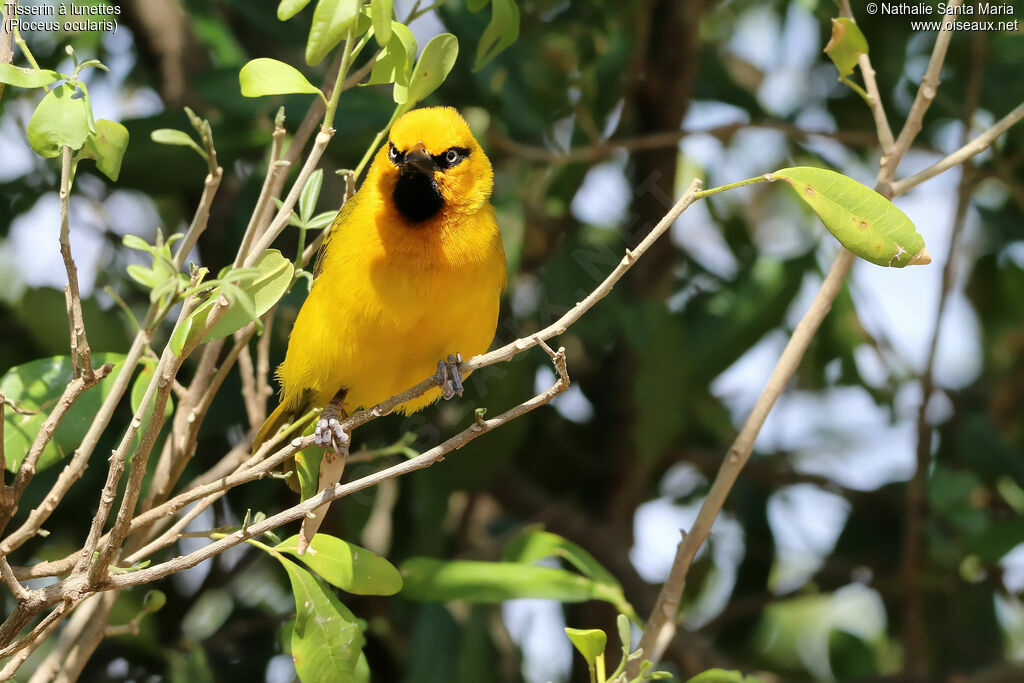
point(376, 330)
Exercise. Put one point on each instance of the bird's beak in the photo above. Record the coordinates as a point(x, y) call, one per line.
point(418, 160)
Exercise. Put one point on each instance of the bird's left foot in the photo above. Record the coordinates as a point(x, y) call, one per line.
point(329, 433)
point(449, 377)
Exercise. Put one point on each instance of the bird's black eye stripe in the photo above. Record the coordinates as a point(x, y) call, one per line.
point(393, 154)
point(453, 156)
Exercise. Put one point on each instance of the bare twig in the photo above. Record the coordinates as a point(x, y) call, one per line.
point(662, 623)
point(297, 512)
point(6, 38)
point(20, 592)
point(606, 148)
point(81, 356)
point(76, 388)
point(925, 94)
point(914, 634)
point(885, 137)
point(968, 150)
point(76, 466)
point(201, 218)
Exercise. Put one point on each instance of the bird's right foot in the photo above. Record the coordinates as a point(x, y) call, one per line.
point(329, 433)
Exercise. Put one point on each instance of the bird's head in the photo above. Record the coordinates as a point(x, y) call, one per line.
point(431, 162)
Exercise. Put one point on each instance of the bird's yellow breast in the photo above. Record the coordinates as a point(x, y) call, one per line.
point(391, 299)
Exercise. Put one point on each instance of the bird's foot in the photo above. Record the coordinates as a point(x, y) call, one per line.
point(449, 377)
point(329, 433)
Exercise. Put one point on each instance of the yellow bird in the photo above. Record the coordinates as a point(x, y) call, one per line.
point(407, 282)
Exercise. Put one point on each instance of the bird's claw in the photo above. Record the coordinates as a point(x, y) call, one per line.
point(330, 434)
point(449, 377)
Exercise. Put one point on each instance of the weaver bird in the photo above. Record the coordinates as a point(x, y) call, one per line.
point(408, 280)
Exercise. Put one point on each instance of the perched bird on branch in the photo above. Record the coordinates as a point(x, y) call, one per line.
point(407, 282)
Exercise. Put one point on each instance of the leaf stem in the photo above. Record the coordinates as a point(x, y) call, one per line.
point(731, 186)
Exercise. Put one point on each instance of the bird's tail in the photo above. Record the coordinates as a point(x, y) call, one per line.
point(282, 415)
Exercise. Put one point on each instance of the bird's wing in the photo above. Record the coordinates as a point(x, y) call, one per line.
point(346, 210)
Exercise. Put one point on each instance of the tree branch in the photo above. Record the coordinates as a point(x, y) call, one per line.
point(968, 150)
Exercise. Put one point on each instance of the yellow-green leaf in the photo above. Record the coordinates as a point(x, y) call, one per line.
point(331, 21)
point(35, 388)
point(846, 46)
point(289, 8)
point(394, 64)
point(107, 146)
point(864, 221)
point(326, 642)
point(26, 78)
point(500, 33)
point(589, 641)
point(433, 67)
point(265, 76)
point(347, 566)
point(381, 11)
point(427, 579)
point(61, 119)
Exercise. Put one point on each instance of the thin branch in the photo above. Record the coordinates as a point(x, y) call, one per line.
point(201, 218)
point(21, 594)
point(975, 146)
point(662, 623)
point(24, 648)
point(275, 167)
point(156, 397)
point(914, 634)
point(7, 37)
point(76, 466)
point(281, 219)
point(81, 356)
point(874, 99)
point(299, 511)
point(926, 92)
point(603, 150)
point(72, 392)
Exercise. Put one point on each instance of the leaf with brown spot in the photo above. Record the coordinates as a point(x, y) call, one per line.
point(864, 221)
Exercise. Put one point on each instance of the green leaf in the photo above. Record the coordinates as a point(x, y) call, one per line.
point(476, 5)
point(170, 136)
point(36, 387)
point(253, 297)
point(864, 221)
point(331, 22)
point(590, 642)
point(107, 146)
point(154, 601)
point(846, 46)
point(289, 8)
point(27, 78)
point(310, 193)
point(723, 676)
point(427, 579)
point(144, 276)
point(536, 545)
point(500, 33)
point(322, 220)
point(347, 566)
point(266, 290)
point(264, 76)
point(394, 64)
point(326, 641)
point(381, 11)
point(433, 67)
point(61, 119)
